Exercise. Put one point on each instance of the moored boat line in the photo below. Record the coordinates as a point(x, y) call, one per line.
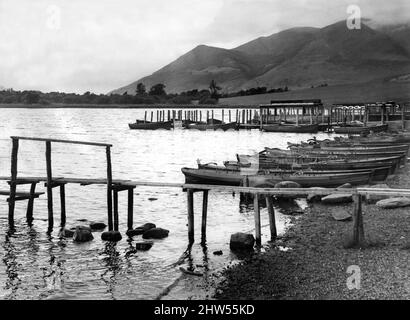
point(327, 163)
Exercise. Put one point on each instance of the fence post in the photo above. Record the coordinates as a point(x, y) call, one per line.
point(62, 202)
point(109, 189)
point(272, 221)
point(49, 187)
point(190, 194)
point(358, 229)
point(257, 219)
point(13, 183)
point(204, 215)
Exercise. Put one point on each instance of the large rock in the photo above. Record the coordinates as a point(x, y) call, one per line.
point(111, 236)
point(82, 234)
point(338, 198)
point(315, 197)
point(242, 241)
point(393, 203)
point(373, 198)
point(144, 246)
point(141, 229)
point(65, 233)
point(156, 233)
point(286, 185)
point(97, 226)
point(341, 215)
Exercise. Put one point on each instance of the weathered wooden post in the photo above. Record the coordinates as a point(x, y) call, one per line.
point(257, 219)
point(13, 182)
point(130, 220)
point(115, 191)
point(204, 215)
point(358, 229)
point(190, 194)
point(62, 202)
point(272, 220)
point(145, 116)
point(30, 205)
point(152, 116)
point(49, 187)
point(109, 188)
point(230, 116)
point(223, 115)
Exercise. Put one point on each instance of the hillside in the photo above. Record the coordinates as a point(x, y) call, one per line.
point(297, 58)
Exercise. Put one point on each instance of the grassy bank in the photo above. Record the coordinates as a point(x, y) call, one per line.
point(347, 93)
point(315, 264)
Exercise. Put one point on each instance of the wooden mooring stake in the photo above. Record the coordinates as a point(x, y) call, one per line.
point(49, 187)
point(204, 215)
point(13, 184)
point(272, 221)
point(109, 189)
point(358, 229)
point(190, 194)
point(258, 237)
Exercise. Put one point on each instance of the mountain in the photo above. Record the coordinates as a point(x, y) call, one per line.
point(398, 32)
point(297, 58)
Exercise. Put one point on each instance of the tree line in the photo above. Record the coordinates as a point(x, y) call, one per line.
point(154, 95)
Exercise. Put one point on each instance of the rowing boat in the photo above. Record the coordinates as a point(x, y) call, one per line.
point(360, 130)
point(304, 178)
point(284, 127)
point(215, 126)
point(140, 125)
point(378, 173)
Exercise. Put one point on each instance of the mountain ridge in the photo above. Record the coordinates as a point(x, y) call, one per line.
point(298, 58)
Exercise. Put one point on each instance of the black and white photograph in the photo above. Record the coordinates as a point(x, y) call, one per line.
point(217, 152)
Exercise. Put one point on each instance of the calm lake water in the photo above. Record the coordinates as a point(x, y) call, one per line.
point(37, 266)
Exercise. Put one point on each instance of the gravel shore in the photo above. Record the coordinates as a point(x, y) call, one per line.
point(310, 261)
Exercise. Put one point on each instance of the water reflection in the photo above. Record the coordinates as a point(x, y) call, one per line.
point(12, 267)
point(113, 265)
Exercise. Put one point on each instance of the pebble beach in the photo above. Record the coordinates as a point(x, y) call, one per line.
point(311, 260)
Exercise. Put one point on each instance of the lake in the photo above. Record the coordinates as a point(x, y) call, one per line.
point(39, 266)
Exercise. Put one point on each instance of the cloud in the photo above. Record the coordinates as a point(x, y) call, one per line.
point(85, 45)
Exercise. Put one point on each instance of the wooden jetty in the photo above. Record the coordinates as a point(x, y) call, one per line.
point(114, 186)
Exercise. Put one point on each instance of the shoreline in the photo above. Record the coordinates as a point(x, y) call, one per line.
point(128, 106)
point(315, 265)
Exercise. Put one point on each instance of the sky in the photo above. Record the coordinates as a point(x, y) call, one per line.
point(101, 45)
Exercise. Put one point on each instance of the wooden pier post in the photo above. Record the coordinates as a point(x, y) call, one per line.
point(358, 229)
point(152, 116)
point(49, 187)
point(130, 220)
point(115, 191)
point(257, 220)
point(190, 194)
point(145, 116)
point(62, 202)
point(109, 188)
point(230, 116)
point(204, 215)
point(13, 183)
point(272, 220)
point(30, 205)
